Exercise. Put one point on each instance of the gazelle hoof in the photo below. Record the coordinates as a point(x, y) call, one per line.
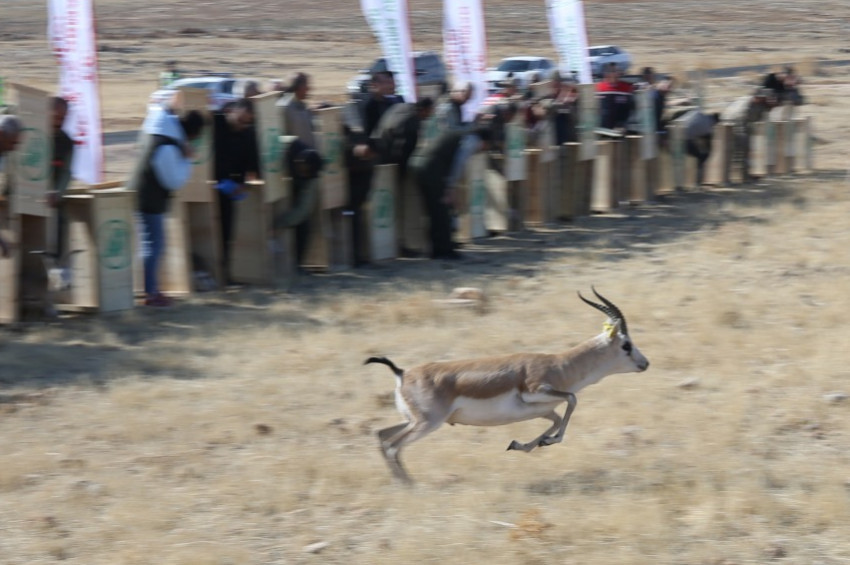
point(514, 445)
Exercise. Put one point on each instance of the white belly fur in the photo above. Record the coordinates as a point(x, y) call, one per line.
point(503, 409)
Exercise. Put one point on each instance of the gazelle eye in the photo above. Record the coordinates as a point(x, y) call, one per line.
point(627, 347)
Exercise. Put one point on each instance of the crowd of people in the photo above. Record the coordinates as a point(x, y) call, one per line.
point(382, 128)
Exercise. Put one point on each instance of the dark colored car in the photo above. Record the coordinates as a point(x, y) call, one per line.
point(428, 67)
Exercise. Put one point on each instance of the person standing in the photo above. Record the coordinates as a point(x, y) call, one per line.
point(236, 159)
point(450, 112)
point(382, 99)
point(360, 160)
point(297, 116)
point(395, 139)
point(616, 100)
point(164, 167)
point(699, 134)
point(63, 153)
point(11, 132)
point(437, 170)
point(304, 164)
point(745, 113)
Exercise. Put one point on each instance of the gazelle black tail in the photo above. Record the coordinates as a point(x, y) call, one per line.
point(383, 360)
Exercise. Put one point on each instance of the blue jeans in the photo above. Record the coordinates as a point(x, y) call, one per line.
point(153, 245)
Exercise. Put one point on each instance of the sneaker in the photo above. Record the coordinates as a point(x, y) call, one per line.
point(159, 300)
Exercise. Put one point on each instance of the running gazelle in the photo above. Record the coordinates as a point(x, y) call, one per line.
point(502, 389)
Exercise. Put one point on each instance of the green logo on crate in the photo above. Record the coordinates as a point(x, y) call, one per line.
point(383, 208)
point(432, 129)
point(332, 147)
point(201, 146)
point(479, 197)
point(272, 148)
point(33, 157)
point(113, 240)
point(516, 143)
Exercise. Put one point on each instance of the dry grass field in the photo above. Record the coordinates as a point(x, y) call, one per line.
point(238, 428)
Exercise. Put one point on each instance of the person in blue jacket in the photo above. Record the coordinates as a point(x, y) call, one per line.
point(164, 167)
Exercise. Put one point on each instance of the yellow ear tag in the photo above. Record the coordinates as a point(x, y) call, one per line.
point(609, 329)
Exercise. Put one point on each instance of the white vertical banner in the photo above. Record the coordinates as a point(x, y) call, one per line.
point(465, 48)
point(569, 36)
point(389, 21)
point(72, 38)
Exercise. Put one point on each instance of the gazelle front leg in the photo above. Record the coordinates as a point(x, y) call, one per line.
point(571, 405)
point(558, 423)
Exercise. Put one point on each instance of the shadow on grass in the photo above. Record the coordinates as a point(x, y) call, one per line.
point(90, 349)
point(622, 234)
point(147, 342)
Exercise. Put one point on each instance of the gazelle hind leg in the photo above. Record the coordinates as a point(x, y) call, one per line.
point(387, 433)
point(397, 437)
point(384, 437)
point(556, 422)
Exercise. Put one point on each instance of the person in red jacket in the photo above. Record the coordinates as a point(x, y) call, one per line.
point(616, 100)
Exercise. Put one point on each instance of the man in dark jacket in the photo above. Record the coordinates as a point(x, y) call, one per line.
point(236, 159)
point(165, 166)
point(63, 153)
point(382, 99)
point(436, 172)
point(395, 139)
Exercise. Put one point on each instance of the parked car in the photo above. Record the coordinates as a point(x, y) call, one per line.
point(222, 89)
point(428, 68)
point(602, 55)
point(527, 69)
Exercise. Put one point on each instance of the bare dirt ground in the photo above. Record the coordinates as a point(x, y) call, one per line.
point(239, 428)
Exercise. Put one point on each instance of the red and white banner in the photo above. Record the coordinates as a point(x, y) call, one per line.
point(569, 36)
point(465, 48)
point(389, 21)
point(72, 38)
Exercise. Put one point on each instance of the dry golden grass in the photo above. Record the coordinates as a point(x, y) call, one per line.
point(239, 429)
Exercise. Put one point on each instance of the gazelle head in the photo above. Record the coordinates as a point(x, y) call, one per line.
point(629, 358)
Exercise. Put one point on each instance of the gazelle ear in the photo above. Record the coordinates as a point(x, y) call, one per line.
point(611, 328)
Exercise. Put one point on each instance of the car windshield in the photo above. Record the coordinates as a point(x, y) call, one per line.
point(423, 63)
point(601, 51)
point(208, 84)
point(513, 65)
